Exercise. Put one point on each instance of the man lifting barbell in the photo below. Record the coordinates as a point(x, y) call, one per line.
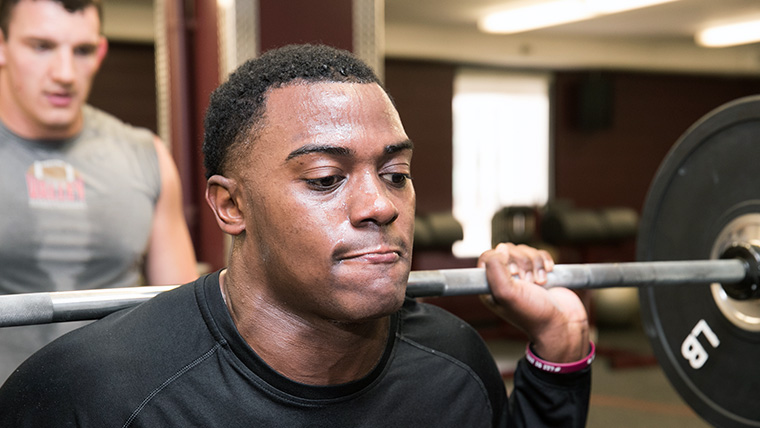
point(308, 169)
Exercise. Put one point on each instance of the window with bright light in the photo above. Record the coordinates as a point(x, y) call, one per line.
point(501, 149)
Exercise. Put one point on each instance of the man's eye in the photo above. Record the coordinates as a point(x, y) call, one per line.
point(41, 46)
point(85, 50)
point(325, 183)
point(397, 179)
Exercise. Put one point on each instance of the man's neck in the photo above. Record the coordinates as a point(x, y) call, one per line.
point(312, 352)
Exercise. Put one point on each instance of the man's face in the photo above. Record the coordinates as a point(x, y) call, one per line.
point(47, 65)
point(329, 201)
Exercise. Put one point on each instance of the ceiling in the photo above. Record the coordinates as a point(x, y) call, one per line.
point(658, 37)
point(679, 19)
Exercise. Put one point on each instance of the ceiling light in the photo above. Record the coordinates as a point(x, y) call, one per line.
point(547, 13)
point(606, 7)
point(737, 33)
point(544, 14)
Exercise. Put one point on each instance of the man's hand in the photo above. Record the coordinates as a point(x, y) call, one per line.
point(554, 319)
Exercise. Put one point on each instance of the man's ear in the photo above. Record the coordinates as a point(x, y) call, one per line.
point(101, 50)
point(221, 193)
point(2, 49)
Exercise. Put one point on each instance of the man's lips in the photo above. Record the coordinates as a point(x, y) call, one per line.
point(389, 252)
point(60, 99)
point(373, 256)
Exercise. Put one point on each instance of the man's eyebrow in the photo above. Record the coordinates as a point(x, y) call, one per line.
point(395, 148)
point(33, 39)
point(344, 151)
point(313, 148)
point(37, 39)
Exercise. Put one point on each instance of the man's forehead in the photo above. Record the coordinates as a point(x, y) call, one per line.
point(320, 90)
point(330, 109)
point(42, 18)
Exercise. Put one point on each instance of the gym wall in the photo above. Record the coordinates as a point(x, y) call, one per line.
point(126, 84)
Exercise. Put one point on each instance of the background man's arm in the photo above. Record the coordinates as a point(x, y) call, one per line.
point(171, 257)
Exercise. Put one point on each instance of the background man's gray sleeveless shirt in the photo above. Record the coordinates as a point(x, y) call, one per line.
point(74, 214)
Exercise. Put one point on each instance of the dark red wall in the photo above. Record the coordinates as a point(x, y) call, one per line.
point(423, 92)
point(325, 22)
point(126, 84)
point(614, 165)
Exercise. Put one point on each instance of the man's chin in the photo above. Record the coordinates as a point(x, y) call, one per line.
point(370, 309)
point(62, 120)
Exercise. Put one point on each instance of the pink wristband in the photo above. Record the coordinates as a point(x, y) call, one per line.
point(560, 367)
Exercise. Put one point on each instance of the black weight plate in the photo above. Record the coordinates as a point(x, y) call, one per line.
point(707, 181)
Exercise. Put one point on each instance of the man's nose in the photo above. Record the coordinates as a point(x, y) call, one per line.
point(370, 202)
point(63, 66)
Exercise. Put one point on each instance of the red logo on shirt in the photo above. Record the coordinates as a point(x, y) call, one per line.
point(54, 184)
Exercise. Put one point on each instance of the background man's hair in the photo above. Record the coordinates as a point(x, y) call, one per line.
point(6, 9)
point(237, 107)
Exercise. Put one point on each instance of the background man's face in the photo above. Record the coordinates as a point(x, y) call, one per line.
point(48, 63)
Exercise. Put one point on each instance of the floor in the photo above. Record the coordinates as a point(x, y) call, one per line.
point(635, 395)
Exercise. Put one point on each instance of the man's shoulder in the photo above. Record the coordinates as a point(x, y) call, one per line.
point(450, 345)
point(127, 332)
point(128, 347)
point(114, 363)
point(436, 328)
point(101, 123)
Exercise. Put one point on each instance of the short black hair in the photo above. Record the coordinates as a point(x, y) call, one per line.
point(238, 105)
point(7, 6)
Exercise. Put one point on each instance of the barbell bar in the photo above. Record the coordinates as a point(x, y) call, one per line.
point(80, 305)
point(457, 282)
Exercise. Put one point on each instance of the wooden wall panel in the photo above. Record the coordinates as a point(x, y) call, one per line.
point(126, 84)
point(423, 92)
point(306, 21)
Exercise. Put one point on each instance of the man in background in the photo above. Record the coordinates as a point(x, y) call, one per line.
point(87, 201)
